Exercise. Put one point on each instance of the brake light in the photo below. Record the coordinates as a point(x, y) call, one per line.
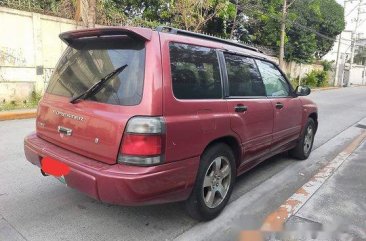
point(141, 145)
point(142, 142)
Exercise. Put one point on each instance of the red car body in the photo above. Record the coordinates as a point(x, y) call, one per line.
point(191, 126)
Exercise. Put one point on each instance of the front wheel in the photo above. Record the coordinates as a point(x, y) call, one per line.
point(303, 148)
point(214, 183)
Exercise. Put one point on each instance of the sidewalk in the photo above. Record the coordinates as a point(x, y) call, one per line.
point(338, 207)
point(18, 114)
point(325, 88)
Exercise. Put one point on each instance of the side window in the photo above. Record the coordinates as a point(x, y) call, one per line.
point(195, 72)
point(274, 82)
point(243, 76)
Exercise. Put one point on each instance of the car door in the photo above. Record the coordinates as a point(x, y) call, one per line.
point(251, 111)
point(287, 107)
point(194, 109)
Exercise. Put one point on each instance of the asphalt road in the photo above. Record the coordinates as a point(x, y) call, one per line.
point(33, 207)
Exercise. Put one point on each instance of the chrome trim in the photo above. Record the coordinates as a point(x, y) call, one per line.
point(68, 115)
point(64, 130)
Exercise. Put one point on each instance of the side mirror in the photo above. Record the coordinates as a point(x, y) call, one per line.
point(302, 91)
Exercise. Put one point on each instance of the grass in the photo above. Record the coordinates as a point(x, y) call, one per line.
point(26, 104)
point(17, 105)
point(314, 80)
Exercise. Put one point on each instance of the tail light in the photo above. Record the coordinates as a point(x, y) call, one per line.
point(143, 141)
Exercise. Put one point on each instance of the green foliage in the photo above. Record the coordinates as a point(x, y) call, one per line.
point(311, 25)
point(312, 33)
point(329, 22)
point(327, 65)
point(316, 78)
point(193, 15)
point(294, 82)
point(30, 103)
point(35, 98)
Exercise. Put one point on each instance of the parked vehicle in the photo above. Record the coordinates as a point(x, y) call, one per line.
point(144, 116)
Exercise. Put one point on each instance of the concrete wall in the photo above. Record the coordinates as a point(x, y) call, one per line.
point(357, 75)
point(29, 50)
point(295, 70)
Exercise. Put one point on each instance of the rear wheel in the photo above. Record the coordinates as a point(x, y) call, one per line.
point(214, 183)
point(303, 148)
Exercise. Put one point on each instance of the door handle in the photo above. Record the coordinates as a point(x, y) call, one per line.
point(64, 130)
point(279, 105)
point(240, 108)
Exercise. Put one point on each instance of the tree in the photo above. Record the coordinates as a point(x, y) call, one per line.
point(86, 11)
point(194, 14)
point(91, 13)
point(315, 26)
point(330, 22)
point(311, 27)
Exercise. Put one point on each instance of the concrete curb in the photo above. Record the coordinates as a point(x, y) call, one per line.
point(326, 88)
point(275, 221)
point(18, 114)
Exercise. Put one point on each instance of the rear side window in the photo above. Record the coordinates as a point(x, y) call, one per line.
point(243, 77)
point(195, 72)
point(89, 60)
point(276, 85)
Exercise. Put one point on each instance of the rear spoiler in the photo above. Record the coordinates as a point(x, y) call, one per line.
point(133, 32)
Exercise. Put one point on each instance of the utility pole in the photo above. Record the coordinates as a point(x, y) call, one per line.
point(285, 8)
point(283, 34)
point(335, 82)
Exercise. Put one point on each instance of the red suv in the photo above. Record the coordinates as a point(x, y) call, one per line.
point(143, 116)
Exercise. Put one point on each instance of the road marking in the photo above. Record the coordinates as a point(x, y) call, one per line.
point(274, 222)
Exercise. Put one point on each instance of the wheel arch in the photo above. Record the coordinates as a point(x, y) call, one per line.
point(232, 142)
point(314, 116)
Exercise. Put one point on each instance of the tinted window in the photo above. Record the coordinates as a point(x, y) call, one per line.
point(274, 82)
point(243, 76)
point(90, 60)
point(195, 72)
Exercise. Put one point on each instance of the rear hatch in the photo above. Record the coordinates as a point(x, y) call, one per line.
point(94, 127)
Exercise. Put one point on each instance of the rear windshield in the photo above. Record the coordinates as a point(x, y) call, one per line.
point(87, 61)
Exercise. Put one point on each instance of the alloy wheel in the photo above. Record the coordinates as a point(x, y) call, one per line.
point(217, 181)
point(308, 139)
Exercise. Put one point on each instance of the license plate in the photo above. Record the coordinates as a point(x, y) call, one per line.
point(62, 179)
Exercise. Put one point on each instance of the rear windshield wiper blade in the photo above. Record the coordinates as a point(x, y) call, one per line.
point(95, 88)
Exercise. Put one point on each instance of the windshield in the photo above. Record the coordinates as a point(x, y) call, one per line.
point(89, 60)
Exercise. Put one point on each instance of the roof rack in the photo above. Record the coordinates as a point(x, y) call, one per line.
point(166, 29)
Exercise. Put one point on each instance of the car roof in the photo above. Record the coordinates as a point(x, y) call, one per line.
point(146, 35)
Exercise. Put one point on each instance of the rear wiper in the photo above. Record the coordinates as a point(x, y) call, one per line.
point(95, 88)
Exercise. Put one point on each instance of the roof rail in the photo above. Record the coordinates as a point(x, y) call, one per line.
point(167, 29)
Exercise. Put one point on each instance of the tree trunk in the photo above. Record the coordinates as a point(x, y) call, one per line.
point(235, 20)
point(92, 14)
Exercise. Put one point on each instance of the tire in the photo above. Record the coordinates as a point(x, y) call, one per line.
point(305, 144)
point(214, 183)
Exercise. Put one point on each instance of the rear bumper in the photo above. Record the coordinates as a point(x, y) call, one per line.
point(118, 184)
